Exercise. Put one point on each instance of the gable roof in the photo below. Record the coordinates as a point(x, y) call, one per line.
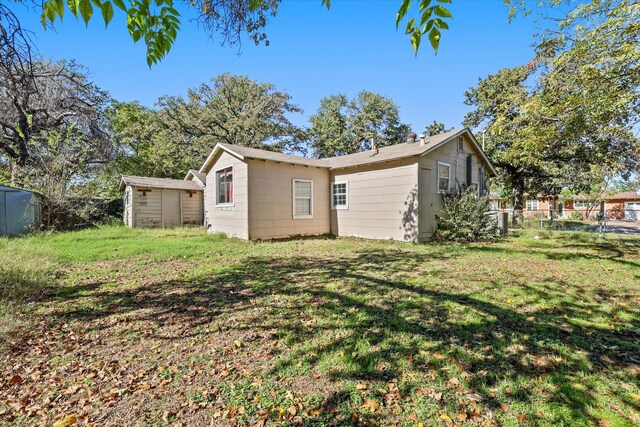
point(243, 153)
point(194, 174)
point(384, 154)
point(147, 182)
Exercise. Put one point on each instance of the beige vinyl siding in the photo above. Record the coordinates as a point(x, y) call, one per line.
point(450, 154)
point(128, 207)
point(147, 210)
point(382, 201)
point(191, 208)
point(230, 220)
point(271, 200)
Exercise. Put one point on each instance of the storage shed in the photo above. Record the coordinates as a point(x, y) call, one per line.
point(161, 202)
point(19, 211)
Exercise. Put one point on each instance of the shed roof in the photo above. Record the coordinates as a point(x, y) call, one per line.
point(384, 154)
point(9, 188)
point(193, 173)
point(147, 182)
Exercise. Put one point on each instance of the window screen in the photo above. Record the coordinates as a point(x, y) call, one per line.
point(302, 198)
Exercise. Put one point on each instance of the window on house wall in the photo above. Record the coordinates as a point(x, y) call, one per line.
point(532, 205)
point(460, 144)
point(444, 177)
point(224, 184)
point(582, 204)
point(339, 195)
point(302, 198)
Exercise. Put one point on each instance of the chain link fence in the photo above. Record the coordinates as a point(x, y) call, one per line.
point(591, 220)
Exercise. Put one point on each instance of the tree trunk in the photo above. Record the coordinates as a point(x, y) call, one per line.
point(518, 206)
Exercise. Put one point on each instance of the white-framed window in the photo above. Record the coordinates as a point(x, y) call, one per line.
point(340, 195)
point(224, 186)
point(532, 205)
point(582, 204)
point(302, 198)
point(444, 177)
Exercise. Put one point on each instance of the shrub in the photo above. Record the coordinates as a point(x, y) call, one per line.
point(576, 216)
point(464, 217)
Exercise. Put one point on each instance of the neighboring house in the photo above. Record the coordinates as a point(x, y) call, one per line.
point(162, 202)
point(620, 206)
point(20, 211)
point(387, 193)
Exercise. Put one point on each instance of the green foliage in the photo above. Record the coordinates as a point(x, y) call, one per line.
point(235, 110)
point(576, 216)
point(155, 21)
point(343, 126)
point(178, 135)
point(430, 20)
point(464, 217)
point(436, 128)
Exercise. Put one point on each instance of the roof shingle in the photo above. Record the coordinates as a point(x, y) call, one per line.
point(143, 181)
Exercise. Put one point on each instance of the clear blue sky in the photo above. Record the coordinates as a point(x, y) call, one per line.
point(313, 53)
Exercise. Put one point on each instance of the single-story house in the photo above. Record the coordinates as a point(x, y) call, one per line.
point(20, 210)
point(619, 206)
point(162, 202)
point(390, 192)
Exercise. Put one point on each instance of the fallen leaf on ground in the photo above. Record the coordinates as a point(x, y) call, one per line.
point(66, 421)
point(371, 405)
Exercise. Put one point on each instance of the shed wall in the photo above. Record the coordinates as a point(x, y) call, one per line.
point(19, 211)
point(127, 211)
point(147, 207)
point(231, 220)
point(192, 210)
point(144, 208)
point(271, 200)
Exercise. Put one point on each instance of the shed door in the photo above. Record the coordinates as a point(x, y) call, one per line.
point(425, 207)
point(632, 211)
point(170, 208)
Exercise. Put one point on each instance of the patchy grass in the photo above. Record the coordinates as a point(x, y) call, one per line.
point(154, 327)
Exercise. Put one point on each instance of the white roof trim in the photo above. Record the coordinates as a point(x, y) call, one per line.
point(214, 152)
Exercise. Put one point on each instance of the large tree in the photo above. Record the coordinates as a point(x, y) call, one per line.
point(147, 146)
point(44, 97)
point(436, 128)
point(236, 110)
point(179, 134)
point(343, 126)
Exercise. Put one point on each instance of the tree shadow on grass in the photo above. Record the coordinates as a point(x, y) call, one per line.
point(383, 313)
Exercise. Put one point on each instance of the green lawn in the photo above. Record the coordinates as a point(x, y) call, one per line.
point(158, 327)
